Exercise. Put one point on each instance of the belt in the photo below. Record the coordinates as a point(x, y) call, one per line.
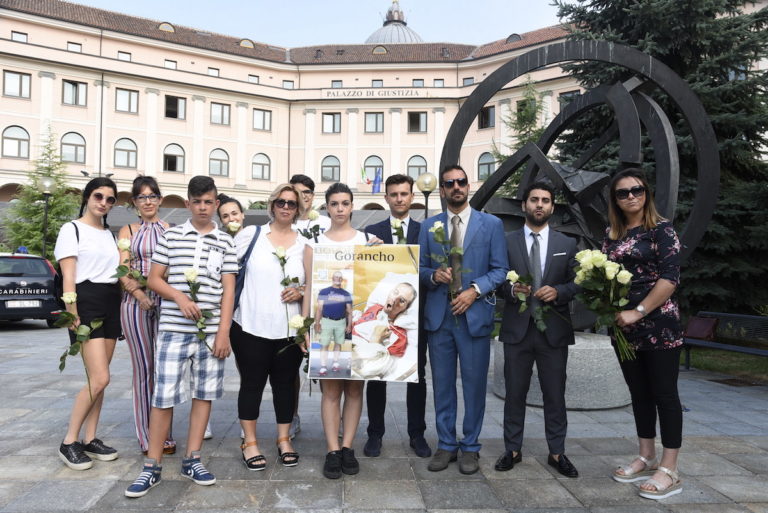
point(335, 318)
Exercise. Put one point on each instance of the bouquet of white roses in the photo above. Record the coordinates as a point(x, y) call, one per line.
point(605, 286)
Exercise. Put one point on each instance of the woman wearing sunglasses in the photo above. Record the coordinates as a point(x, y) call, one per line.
point(647, 245)
point(88, 256)
point(140, 309)
point(340, 457)
point(260, 336)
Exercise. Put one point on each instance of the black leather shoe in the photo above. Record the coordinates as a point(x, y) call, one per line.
point(421, 447)
point(372, 447)
point(507, 461)
point(563, 465)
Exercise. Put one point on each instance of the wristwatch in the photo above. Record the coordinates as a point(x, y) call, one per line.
point(477, 289)
point(641, 309)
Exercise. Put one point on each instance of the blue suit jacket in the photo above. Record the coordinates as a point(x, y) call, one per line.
point(485, 258)
point(383, 231)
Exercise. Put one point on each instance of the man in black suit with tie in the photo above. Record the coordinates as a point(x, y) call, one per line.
point(399, 229)
point(549, 258)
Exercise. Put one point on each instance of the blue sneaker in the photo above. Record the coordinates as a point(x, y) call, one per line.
point(148, 478)
point(192, 468)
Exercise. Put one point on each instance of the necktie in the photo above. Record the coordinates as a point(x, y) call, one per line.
point(456, 258)
point(535, 258)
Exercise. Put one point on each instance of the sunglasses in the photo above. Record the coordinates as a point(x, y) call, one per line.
point(151, 198)
point(461, 182)
point(289, 204)
point(638, 191)
point(99, 197)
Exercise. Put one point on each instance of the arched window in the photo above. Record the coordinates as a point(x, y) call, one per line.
point(417, 165)
point(260, 167)
point(218, 163)
point(125, 153)
point(15, 142)
point(373, 165)
point(486, 165)
point(173, 158)
point(73, 148)
point(331, 169)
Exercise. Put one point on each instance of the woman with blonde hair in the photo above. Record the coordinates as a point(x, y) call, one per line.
point(271, 256)
point(648, 247)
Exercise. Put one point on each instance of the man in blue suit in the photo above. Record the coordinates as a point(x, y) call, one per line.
point(398, 193)
point(458, 316)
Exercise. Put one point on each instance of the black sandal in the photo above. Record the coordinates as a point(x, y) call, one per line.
point(258, 462)
point(288, 459)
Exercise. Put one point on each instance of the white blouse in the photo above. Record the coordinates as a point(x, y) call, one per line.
point(261, 312)
point(96, 252)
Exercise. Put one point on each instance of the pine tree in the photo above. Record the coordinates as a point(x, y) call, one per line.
point(24, 217)
point(715, 47)
point(525, 123)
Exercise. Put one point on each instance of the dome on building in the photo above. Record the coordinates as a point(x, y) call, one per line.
point(395, 29)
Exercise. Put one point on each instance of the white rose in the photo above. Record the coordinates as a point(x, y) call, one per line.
point(124, 244)
point(512, 277)
point(611, 268)
point(396, 223)
point(437, 226)
point(190, 275)
point(280, 252)
point(296, 322)
point(581, 275)
point(598, 258)
point(233, 226)
point(313, 215)
point(586, 265)
point(69, 298)
point(624, 277)
point(582, 255)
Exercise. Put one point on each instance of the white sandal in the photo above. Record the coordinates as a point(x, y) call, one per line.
point(628, 476)
point(660, 492)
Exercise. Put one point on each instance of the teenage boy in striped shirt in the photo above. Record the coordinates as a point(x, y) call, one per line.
point(194, 252)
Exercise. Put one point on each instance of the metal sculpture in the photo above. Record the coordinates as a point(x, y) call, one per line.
point(584, 213)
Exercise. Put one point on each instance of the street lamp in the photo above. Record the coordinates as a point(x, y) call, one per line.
point(426, 183)
point(47, 187)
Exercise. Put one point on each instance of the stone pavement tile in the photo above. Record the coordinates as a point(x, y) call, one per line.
point(382, 494)
point(529, 468)
point(534, 493)
point(391, 510)
point(602, 492)
point(618, 415)
point(11, 446)
point(309, 468)
point(707, 464)
point(755, 463)
point(583, 431)
point(695, 492)
point(756, 418)
point(738, 428)
point(694, 428)
point(12, 414)
point(603, 446)
point(648, 507)
point(707, 508)
point(11, 490)
point(419, 466)
point(391, 447)
point(230, 495)
point(721, 445)
point(624, 429)
point(383, 469)
point(114, 470)
point(162, 497)
point(458, 495)
point(588, 465)
point(757, 508)
point(739, 488)
point(233, 469)
point(60, 496)
point(29, 469)
point(758, 441)
point(14, 401)
point(293, 495)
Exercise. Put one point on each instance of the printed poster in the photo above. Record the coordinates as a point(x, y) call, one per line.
point(365, 302)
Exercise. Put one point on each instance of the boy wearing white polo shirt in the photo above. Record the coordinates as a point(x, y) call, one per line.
point(193, 270)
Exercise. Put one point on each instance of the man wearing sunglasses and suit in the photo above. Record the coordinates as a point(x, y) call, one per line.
point(548, 257)
point(463, 259)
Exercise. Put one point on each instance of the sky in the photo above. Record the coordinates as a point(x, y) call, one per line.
point(293, 23)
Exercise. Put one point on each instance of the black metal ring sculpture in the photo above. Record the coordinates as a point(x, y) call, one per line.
point(632, 107)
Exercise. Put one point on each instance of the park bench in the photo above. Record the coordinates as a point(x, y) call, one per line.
point(726, 332)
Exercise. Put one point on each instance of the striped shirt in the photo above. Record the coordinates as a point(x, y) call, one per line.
point(212, 254)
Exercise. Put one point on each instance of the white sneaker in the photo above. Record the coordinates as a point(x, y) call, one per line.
point(208, 434)
point(295, 428)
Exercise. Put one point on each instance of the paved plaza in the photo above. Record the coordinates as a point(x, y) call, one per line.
point(724, 461)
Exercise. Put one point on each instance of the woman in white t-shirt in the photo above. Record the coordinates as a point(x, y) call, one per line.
point(341, 457)
point(261, 338)
point(88, 256)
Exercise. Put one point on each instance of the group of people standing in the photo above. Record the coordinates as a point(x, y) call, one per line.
point(204, 293)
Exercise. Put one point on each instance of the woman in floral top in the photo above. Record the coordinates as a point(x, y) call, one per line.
point(646, 244)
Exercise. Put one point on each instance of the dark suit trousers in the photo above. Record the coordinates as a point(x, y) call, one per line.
point(518, 368)
point(416, 399)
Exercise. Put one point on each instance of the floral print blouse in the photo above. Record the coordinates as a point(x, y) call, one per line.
point(650, 255)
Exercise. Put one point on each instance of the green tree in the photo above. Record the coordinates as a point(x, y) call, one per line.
point(24, 217)
point(715, 47)
point(525, 122)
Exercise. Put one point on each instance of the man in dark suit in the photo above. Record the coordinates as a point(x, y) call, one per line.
point(549, 258)
point(458, 314)
point(398, 193)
